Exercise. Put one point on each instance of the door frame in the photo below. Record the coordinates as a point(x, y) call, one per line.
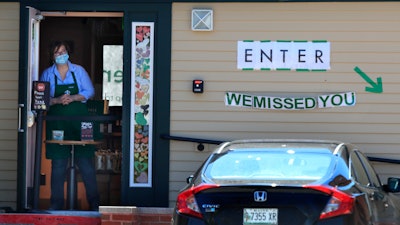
point(158, 194)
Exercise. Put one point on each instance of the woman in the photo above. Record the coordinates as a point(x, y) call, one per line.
point(70, 88)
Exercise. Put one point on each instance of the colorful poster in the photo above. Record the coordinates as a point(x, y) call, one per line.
point(141, 104)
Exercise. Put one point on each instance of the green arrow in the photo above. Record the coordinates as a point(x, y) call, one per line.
point(376, 87)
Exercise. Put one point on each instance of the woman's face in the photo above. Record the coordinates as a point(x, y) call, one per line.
point(60, 55)
point(61, 50)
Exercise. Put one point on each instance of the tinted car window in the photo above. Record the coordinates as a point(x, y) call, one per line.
point(257, 165)
point(370, 170)
point(358, 171)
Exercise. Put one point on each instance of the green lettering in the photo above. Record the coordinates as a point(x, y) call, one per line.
point(324, 99)
point(339, 100)
point(269, 103)
point(310, 103)
point(299, 102)
point(288, 103)
point(108, 74)
point(259, 102)
point(277, 103)
point(232, 96)
point(353, 98)
point(247, 100)
point(118, 74)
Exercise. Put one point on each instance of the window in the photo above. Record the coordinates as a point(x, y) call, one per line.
point(272, 166)
point(373, 177)
point(358, 171)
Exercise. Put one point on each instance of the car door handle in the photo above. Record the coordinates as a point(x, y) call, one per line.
point(371, 196)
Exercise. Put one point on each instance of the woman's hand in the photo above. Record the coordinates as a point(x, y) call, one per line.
point(55, 101)
point(67, 99)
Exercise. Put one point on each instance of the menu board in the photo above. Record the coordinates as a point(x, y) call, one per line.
point(40, 95)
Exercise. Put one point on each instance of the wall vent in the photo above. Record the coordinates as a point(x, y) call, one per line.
point(202, 19)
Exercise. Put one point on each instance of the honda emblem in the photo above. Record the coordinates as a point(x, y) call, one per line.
point(260, 196)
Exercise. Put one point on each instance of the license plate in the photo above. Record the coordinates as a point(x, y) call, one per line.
point(260, 216)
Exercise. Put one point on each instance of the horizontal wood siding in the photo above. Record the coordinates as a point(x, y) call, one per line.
point(9, 47)
point(362, 34)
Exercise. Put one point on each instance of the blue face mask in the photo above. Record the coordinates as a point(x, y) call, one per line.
point(62, 59)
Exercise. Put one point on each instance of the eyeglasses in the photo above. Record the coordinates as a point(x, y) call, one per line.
point(60, 53)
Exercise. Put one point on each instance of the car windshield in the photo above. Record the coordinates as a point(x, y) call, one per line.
point(279, 166)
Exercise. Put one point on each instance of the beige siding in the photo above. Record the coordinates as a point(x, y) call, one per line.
point(9, 47)
point(364, 34)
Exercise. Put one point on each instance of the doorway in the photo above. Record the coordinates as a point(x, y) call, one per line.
point(87, 34)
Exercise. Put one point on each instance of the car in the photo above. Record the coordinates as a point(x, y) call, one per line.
point(287, 182)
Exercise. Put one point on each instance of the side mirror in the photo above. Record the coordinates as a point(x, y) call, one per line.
point(393, 184)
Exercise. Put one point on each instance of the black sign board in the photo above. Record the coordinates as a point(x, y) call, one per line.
point(40, 96)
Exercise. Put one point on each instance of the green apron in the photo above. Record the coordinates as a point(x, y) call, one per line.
point(71, 128)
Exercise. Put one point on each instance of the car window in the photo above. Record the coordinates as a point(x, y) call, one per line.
point(262, 166)
point(358, 171)
point(374, 179)
point(345, 154)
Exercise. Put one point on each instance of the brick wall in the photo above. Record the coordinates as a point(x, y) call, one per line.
point(127, 215)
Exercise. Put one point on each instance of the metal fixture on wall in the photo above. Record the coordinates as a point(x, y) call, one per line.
point(198, 86)
point(202, 19)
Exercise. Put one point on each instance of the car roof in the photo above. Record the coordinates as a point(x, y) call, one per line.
point(245, 144)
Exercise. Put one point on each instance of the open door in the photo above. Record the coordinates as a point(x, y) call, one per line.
point(90, 35)
point(26, 124)
point(90, 32)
